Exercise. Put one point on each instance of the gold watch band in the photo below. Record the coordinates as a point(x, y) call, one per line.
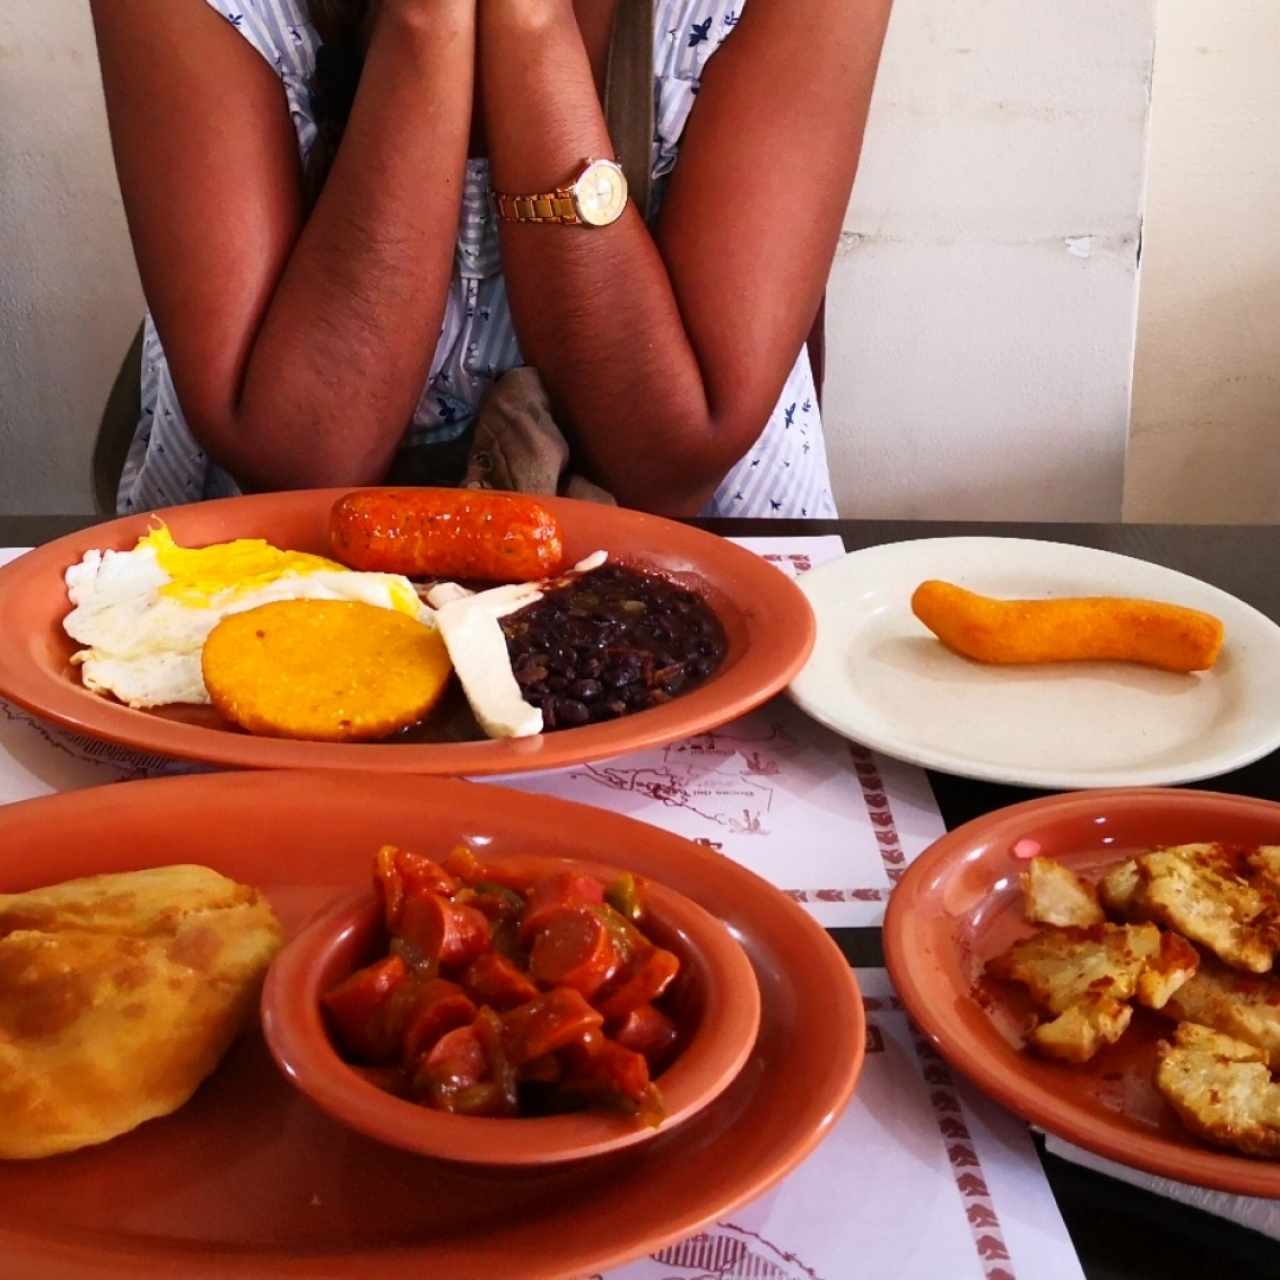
point(554, 206)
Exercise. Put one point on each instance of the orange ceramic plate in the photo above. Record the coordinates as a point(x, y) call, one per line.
point(250, 1179)
point(960, 904)
point(767, 621)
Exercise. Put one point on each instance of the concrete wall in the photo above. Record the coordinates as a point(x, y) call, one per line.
point(1205, 442)
point(983, 299)
point(69, 294)
point(981, 310)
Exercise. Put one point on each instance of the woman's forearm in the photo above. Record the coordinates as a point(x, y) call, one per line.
point(594, 309)
point(344, 348)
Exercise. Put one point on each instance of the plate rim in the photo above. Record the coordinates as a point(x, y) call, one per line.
point(84, 1254)
point(1217, 1170)
point(1039, 779)
point(54, 701)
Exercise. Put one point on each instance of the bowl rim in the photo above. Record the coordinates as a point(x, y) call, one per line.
point(296, 1036)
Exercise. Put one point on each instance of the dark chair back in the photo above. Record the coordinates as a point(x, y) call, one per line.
point(817, 344)
point(116, 430)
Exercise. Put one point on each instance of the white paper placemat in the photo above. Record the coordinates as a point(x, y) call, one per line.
point(829, 822)
point(921, 1179)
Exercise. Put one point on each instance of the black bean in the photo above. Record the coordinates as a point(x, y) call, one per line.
point(591, 667)
point(616, 677)
point(557, 684)
point(571, 711)
point(586, 690)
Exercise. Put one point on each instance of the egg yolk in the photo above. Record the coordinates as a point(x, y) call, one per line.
point(197, 574)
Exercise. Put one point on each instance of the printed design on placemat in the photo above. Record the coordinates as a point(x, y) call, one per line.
point(126, 764)
point(797, 561)
point(962, 1152)
point(725, 777)
point(729, 1252)
point(879, 811)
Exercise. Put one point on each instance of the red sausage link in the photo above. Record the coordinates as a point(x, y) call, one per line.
point(651, 974)
point(357, 1009)
point(548, 1023)
point(441, 1006)
point(563, 889)
point(648, 1032)
point(447, 934)
point(573, 949)
point(447, 533)
point(397, 872)
point(494, 980)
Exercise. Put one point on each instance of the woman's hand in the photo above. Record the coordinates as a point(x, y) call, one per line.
point(299, 340)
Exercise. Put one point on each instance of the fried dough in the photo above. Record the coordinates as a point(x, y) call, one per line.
point(119, 994)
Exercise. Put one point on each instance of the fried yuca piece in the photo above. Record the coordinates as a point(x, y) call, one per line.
point(1054, 894)
point(1084, 1028)
point(1221, 1089)
point(1243, 1006)
point(325, 670)
point(1061, 967)
point(1195, 889)
point(1167, 636)
point(119, 994)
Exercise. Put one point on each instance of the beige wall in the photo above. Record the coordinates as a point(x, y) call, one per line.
point(69, 295)
point(1205, 442)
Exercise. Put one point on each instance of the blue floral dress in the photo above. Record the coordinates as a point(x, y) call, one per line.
point(783, 474)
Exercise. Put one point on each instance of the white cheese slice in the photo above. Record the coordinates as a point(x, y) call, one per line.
point(468, 623)
point(478, 649)
point(444, 593)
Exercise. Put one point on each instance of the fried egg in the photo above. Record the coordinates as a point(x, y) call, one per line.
point(142, 616)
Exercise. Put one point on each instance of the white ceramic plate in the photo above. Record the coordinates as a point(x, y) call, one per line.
point(877, 675)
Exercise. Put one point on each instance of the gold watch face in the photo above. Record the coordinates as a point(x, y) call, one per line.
point(600, 194)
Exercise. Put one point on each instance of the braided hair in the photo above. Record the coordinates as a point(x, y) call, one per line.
point(342, 28)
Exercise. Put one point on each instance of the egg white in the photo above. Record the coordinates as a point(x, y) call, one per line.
point(142, 616)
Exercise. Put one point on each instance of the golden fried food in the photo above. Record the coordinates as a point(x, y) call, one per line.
point(1054, 894)
point(326, 670)
point(1243, 1006)
point(1119, 887)
point(119, 994)
point(1068, 630)
point(1077, 1034)
point(1221, 1089)
point(1194, 889)
point(1168, 971)
point(1264, 865)
point(1061, 967)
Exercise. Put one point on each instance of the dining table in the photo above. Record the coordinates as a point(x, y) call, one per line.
point(1119, 1232)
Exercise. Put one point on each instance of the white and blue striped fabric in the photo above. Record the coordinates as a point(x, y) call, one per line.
point(784, 473)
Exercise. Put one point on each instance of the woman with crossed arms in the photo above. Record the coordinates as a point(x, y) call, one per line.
point(320, 195)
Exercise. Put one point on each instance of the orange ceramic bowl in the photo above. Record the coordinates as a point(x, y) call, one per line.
point(714, 1001)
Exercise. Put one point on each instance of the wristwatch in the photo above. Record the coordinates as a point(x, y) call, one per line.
point(595, 198)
